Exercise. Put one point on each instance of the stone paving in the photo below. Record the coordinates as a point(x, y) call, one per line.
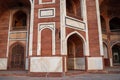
point(109, 74)
point(77, 77)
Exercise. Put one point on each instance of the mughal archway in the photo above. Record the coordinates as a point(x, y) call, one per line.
point(17, 57)
point(75, 53)
point(116, 54)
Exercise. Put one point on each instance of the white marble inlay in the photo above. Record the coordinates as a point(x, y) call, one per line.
point(95, 63)
point(3, 63)
point(46, 64)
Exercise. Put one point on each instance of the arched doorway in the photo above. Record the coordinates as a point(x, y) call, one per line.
point(75, 52)
point(116, 54)
point(17, 57)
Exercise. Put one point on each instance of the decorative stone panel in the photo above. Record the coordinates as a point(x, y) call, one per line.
point(46, 13)
point(95, 63)
point(3, 63)
point(46, 64)
point(73, 23)
point(46, 1)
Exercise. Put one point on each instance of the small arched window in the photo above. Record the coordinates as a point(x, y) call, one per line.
point(73, 7)
point(19, 20)
point(115, 24)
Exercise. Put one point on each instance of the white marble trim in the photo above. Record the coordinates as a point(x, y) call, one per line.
point(9, 35)
point(31, 27)
point(62, 25)
point(99, 28)
point(86, 24)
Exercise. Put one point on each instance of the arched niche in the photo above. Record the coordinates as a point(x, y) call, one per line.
point(19, 20)
point(116, 54)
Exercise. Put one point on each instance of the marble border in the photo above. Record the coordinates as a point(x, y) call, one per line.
point(31, 27)
point(46, 13)
point(86, 24)
point(62, 26)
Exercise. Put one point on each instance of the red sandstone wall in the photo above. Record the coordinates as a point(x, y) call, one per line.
point(46, 42)
point(47, 1)
point(93, 28)
point(4, 26)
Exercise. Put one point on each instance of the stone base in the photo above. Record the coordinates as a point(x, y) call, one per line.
point(95, 63)
point(45, 74)
point(46, 64)
point(3, 63)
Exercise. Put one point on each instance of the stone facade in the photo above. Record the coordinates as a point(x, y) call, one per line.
point(55, 36)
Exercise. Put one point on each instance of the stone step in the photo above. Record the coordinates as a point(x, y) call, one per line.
point(13, 73)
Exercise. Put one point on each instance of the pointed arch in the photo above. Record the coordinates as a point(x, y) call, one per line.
point(16, 56)
point(116, 53)
point(19, 20)
point(80, 36)
point(75, 48)
point(117, 42)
